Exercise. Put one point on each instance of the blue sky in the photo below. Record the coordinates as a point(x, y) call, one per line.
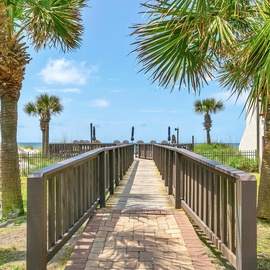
point(100, 84)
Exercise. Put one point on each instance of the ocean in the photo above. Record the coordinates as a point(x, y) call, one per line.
point(32, 144)
point(235, 145)
point(37, 145)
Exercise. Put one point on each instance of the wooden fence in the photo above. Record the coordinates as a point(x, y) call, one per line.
point(62, 196)
point(74, 149)
point(220, 199)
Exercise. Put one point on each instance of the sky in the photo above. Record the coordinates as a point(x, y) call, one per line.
point(100, 83)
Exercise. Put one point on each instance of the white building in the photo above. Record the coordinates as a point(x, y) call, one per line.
point(252, 138)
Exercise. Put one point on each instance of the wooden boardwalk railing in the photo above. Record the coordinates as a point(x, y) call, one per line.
point(61, 197)
point(220, 199)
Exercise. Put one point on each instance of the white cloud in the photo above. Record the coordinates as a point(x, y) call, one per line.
point(70, 90)
point(226, 97)
point(99, 103)
point(66, 101)
point(63, 71)
point(151, 111)
point(64, 90)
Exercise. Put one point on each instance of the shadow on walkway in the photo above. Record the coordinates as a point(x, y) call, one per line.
point(139, 229)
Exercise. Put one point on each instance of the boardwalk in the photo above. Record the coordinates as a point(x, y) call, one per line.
point(139, 229)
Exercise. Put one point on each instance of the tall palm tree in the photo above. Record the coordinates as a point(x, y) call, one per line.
point(186, 42)
point(207, 107)
point(45, 23)
point(249, 71)
point(44, 106)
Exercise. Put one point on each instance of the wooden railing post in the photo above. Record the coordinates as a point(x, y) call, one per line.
point(246, 224)
point(170, 172)
point(177, 180)
point(121, 163)
point(124, 154)
point(102, 179)
point(112, 170)
point(165, 167)
point(36, 224)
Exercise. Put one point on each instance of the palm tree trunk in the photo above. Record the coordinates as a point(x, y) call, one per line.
point(208, 136)
point(43, 142)
point(42, 125)
point(263, 209)
point(12, 203)
point(207, 125)
point(46, 140)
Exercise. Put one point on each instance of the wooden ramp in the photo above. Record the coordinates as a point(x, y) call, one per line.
point(139, 229)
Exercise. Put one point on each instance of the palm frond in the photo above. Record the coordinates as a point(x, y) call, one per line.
point(185, 41)
point(54, 23)
point(249, 70)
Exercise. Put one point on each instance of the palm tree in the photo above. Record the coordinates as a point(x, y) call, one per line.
point(249, 71)
point(46, 23)
point(44, 106)
point(186, 42)
point(208, 106)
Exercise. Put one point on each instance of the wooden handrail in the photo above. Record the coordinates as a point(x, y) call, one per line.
point(61, 197)
point(220, 199)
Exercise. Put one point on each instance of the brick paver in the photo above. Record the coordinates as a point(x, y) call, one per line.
point(139, 230)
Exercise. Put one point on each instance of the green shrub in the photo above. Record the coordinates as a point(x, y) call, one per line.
point(229, 156)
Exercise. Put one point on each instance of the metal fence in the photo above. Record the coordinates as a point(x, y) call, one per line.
point(33, 161)
point(243, 160)
point(228, 155)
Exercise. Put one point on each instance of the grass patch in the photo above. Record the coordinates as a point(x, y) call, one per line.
point(24, 192)
point(263, 246)
point(6, 255)
point(10, 255)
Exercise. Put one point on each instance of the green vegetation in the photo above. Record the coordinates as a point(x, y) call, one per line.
point(229, 156)
point(263, 246)
point(45, 106)
point(263, 239)
point(207, 107)
point(20, 219)
point(36, 161)
point(212, 147)
point(24, 192)
point(7, 255)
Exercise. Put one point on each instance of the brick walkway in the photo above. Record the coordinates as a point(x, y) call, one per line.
point(139, 229)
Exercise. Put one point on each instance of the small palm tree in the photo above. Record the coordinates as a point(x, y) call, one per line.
point(44, 106)
point(206, 107)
